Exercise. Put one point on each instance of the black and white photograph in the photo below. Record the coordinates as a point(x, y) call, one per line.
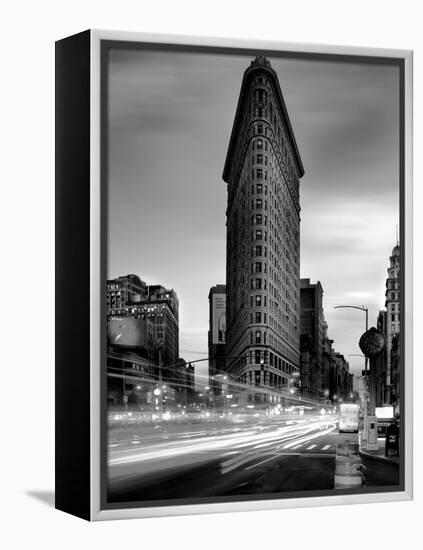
point(253, 292)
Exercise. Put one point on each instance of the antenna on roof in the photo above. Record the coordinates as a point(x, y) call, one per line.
point(396, 227)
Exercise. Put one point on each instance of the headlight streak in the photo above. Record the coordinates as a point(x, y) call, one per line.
point(195, 450)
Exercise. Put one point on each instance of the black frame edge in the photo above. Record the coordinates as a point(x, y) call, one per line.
point(72, 249)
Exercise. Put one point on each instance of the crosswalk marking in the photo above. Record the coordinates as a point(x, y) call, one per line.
point(311, 447)
point(325, 448)
point(298, 446)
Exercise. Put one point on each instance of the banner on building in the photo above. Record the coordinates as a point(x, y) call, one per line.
point(219, 318)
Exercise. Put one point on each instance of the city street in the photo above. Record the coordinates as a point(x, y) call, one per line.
point(232, 456)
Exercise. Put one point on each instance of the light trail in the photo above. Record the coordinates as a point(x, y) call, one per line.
point(240, 441)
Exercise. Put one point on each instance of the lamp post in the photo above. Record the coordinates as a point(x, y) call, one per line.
point(359, 355)
point(365, 309)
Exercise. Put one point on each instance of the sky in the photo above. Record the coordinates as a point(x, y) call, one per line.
point(170, 119)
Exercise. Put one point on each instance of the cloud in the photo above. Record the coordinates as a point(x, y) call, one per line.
point(171, 116)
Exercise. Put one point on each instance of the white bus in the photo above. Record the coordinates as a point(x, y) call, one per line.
point(349, 417)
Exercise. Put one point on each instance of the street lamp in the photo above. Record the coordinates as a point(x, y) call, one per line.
point(365, 309)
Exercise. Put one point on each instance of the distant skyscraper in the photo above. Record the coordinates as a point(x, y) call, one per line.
point(312, 332)
point(263, 168)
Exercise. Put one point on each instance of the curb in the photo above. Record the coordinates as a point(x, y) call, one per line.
point(380, 458)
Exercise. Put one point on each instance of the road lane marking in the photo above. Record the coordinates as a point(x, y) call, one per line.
point(262, 462)
point(308, 438)
point(232, 464)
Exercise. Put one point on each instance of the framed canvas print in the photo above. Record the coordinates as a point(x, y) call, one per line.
point(233, 275)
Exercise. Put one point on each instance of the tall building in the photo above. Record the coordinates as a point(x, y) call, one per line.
point(327, 364)
point(342, 382)
point(312, 332)
point(120, 292)
point(128, 296)
point(217, 329)
point(262, 171)
point(392, 304)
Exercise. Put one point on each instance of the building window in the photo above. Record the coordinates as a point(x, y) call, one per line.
point(259, 159)
point(259, 203)
point(259, 174)
point(259, 234)
point(260, 129)
point(258, 250)
point(392, 328)
point(259, 188)
point(259, 144)
point(258, 300)
point(258, 337)
point(258, 284)
point(258, 317)
point(257, 357)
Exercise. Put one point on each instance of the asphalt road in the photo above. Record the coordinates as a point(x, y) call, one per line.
point(229, 458)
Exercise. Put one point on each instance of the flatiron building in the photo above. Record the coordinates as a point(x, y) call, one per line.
point(262, 172)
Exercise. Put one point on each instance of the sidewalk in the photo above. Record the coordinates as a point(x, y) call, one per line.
point(380, 453)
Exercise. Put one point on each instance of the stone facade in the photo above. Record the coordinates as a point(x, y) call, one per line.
point(128, 296)
point(312, 332)
point(262, 171)
point(392, 305)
